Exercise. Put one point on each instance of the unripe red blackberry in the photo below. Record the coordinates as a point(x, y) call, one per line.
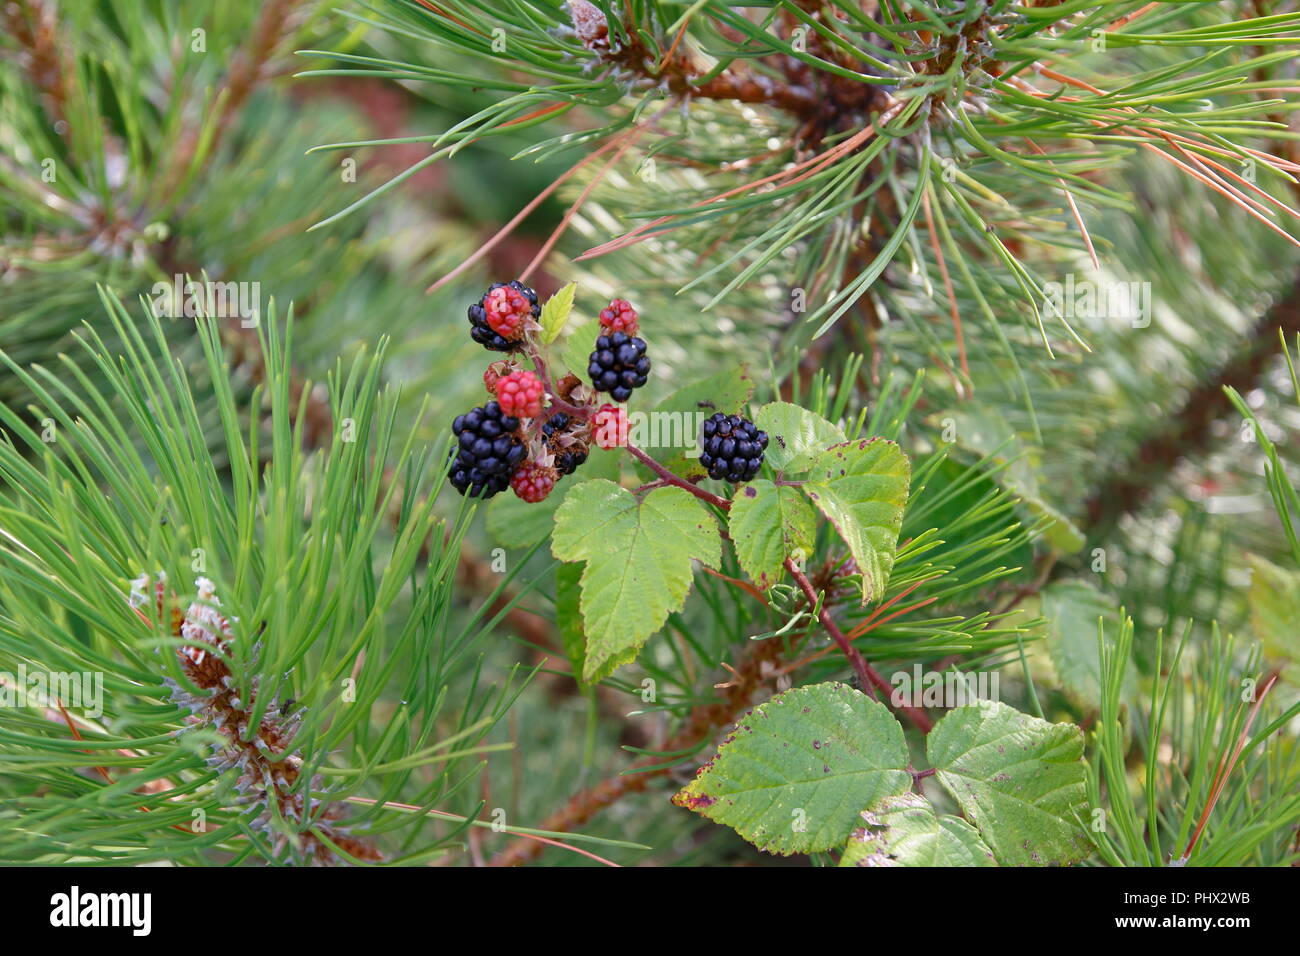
point(732, 448)
point(533, 482)
point(496, 372)
point(609, 426)
point(618, 365)
point(487, 451)
point(568, 455)
point(497, 320)
point(521, 394)
point(619, 316)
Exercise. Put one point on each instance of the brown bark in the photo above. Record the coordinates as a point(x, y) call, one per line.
point(1189, 429)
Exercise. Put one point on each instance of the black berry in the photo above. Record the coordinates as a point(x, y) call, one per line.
point(568, 459)
point(497, 319)
point(732, 448)
point(618, 365)
point(487, 451)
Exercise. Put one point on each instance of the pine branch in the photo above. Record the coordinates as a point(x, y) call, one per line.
point(823, 101)
point(270, 765)
point(1190, 430)
point(755, 667)
point(252, 65)
point(32, 23)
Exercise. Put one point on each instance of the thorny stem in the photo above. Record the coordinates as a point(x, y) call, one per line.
point(557, 403)
point(868, 676)
point(676, 480)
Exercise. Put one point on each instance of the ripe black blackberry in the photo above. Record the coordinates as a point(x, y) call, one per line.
point(732, 448)
point(618, 365)
point(487, 451)
point(497, 319)
point(567, 459)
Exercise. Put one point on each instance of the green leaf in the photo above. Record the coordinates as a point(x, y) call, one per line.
point(568, 619)
point(1072, 609)
point(1061, 533)
point(904, 830)
point(767, 523)
point(1274, 609)
point(986, 432)
point(578, 345)
point(514, 523)
point(796, 435)
point(677, 420)
point(1018, 779)
point(555, 313)
point(638, 556)
point(797, 770)
point(862, 486)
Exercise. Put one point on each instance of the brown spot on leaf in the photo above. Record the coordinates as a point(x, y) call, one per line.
point(694, 801)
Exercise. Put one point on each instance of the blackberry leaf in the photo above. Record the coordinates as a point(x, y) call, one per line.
point(862, 487)
point(796, 772)
point(638, 556)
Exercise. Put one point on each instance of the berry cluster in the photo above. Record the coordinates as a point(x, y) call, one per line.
point(487, 452)
point(520, 439)
point(564, 441)
point(499, 319)
point(619, 316)
point(733, 448)
point(618, 365)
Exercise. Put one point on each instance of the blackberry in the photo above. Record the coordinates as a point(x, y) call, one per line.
point(732, 448)
point(568, 459)
point(497, 319)
point(619, 317)
point(521, 394)
point(618, 365)
point(609, 426)
point(533, 482)
point(487, 451)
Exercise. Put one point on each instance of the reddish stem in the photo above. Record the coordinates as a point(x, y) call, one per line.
point(556, 402)
point(868, 676)
point(1226, 766)
point(677, 480)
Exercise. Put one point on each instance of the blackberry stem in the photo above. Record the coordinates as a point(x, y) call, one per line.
point(676, 480)
point(868, 676)
point(557, 403)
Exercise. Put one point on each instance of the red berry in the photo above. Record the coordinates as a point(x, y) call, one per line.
point(495, 372)
point(619, 317)
point(507, 309)
point(520, 394)
point(533, 482)
point(609, 426)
